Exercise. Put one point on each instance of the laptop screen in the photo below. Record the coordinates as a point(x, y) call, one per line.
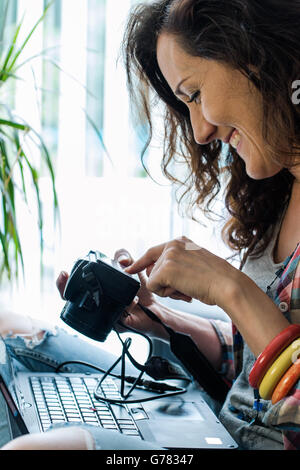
point(7, 390)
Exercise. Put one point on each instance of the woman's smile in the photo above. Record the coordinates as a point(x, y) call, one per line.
point(236, 140)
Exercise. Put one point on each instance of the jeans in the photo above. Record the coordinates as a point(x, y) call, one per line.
point(46, 355)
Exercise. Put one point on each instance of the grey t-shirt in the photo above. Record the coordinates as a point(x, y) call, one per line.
point(237, 411)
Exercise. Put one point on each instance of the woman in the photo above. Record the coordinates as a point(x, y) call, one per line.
point(225, 71)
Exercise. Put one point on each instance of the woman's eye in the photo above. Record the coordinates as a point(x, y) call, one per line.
point(194, 97)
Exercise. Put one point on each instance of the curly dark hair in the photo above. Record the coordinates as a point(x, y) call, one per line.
point(248, 35)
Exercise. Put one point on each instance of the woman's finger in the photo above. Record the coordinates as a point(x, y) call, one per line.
point(123, 257)
point(180, 296)
point(61, 282)
point(132, 306)
point(149, 269)
point(148, 259)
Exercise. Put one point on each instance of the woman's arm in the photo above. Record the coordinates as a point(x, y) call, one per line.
point(182, 267)
point(254, 314)
point(200, 329)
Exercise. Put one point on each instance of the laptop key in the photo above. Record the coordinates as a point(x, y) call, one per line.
point(120, 412)
point(130, 432)
point(109, 426)
point(46, 427)
point(90, 420)
point(127, 426)
point(45, 419)
point(45, 423)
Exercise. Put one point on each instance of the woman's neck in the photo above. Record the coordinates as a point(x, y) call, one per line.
point(289, 234)
point(295, 171)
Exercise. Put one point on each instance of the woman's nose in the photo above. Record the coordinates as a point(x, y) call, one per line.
point(203, 131)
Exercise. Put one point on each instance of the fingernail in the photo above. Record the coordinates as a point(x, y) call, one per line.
point(123, 258)
point(61, 277)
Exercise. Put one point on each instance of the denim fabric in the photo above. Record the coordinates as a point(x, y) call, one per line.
point(57, 347)
point(4, 427)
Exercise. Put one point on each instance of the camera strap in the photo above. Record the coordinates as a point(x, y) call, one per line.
point(184, 348)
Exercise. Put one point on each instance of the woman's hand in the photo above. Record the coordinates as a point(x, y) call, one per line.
point(134, 317)
point(182, 270)
point(181, 266)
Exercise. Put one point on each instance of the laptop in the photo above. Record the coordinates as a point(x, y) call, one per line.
point(35, 401)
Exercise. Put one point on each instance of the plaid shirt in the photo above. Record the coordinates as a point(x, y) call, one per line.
point(284, 415)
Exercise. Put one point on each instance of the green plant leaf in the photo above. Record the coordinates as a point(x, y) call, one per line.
point(16, 125)
point(10, 224)
point(15, 162)
point(3, 73)
point(6, 262)
point(11, 65)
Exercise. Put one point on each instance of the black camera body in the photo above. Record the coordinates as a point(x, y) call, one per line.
point(97, 293)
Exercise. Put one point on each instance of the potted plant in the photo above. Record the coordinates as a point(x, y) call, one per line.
point(16, 163)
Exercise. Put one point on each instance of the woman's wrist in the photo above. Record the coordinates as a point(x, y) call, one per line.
point(158, 331)
point(254, 314)
point(200, 329)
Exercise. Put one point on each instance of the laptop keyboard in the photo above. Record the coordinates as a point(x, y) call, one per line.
point(71, 399)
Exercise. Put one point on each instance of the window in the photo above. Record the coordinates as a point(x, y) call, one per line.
point(73, 91)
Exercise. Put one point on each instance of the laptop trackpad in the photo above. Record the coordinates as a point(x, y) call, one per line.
point(171, 409)
point(178, 424)
point(171, 424)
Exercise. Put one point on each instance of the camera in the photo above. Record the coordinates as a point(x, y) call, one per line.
point(97, 293)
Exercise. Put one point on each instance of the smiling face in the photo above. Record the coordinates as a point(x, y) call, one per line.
point(220, 100)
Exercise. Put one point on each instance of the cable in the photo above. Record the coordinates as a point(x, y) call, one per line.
point(194, 361)
point(137, 382)
point(122, 376)
point(141, 400)
point(125, 351)
point(133, 361)
point(149, 385)
point(84, 364)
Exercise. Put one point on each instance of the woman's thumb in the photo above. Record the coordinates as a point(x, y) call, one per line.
point(123, 257)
